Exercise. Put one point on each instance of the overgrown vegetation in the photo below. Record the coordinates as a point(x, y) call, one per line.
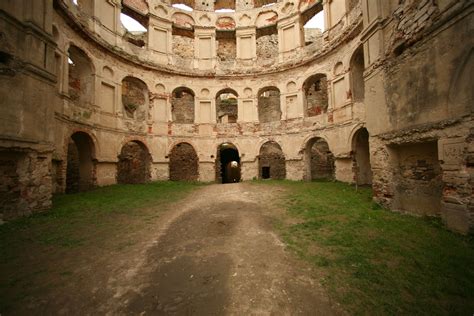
point(374, 261)
point(103, 221)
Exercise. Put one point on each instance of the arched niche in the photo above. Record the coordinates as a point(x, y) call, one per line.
point(183, 163)
point(134, 163)
point(135, 98)
point(357, 67)
point(81, 77)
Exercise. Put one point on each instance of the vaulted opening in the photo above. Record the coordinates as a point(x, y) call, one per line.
point(357, 75)
point(135, 98)
point(227, 163)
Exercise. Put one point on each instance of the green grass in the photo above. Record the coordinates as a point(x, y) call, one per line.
point(374, 261)
point(104, 220)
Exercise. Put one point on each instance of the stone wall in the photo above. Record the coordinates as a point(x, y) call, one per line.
point(25, 183)
point(227, 48)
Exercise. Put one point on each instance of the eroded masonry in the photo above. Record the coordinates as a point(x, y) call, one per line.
point(381, 96)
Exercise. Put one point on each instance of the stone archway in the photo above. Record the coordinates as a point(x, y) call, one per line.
point(228, 164)
point(80, 169)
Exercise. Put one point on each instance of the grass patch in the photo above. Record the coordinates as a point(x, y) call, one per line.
point(104, 220)
point(374, 261)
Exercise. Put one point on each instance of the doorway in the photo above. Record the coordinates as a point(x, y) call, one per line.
point(227, 163)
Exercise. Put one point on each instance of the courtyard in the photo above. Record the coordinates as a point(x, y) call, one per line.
point(260, 247)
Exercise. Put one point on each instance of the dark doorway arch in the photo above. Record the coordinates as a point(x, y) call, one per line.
point(320, 160)
point(183, 163)
point(227, 163)
point(80, 169)
point(271, 161)
point(134, 163)
point(361, 157)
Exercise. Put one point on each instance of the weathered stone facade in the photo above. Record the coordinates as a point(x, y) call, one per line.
point(392, 97)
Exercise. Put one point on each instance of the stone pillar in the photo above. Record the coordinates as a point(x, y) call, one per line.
point(246, 43)
point(107, 20)
point(160, 39)
point(204, 48)
point(289, 36)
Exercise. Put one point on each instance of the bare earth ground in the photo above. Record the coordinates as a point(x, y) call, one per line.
point(213, 253)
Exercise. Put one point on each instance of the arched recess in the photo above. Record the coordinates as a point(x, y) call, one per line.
point(81, 76)
point(134, 163)
point(182, 105)
point(357, 67)
point(184, 163)
point(227, 163)
point(135, 98)
point(319, 159)
point(81, 163)
point(269, 109)
point(315, 95)
point(271, 161)
point(226, 106)
point(361, 157)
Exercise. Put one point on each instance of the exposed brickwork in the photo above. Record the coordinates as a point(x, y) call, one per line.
point(183, 163)
point(134, 98)
point(316, 93)
point(134, 164)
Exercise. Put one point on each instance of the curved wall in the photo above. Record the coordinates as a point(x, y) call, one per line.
point(108, 121)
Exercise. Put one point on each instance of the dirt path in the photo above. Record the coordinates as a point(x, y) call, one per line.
point(215, 253)
point(218, 255)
